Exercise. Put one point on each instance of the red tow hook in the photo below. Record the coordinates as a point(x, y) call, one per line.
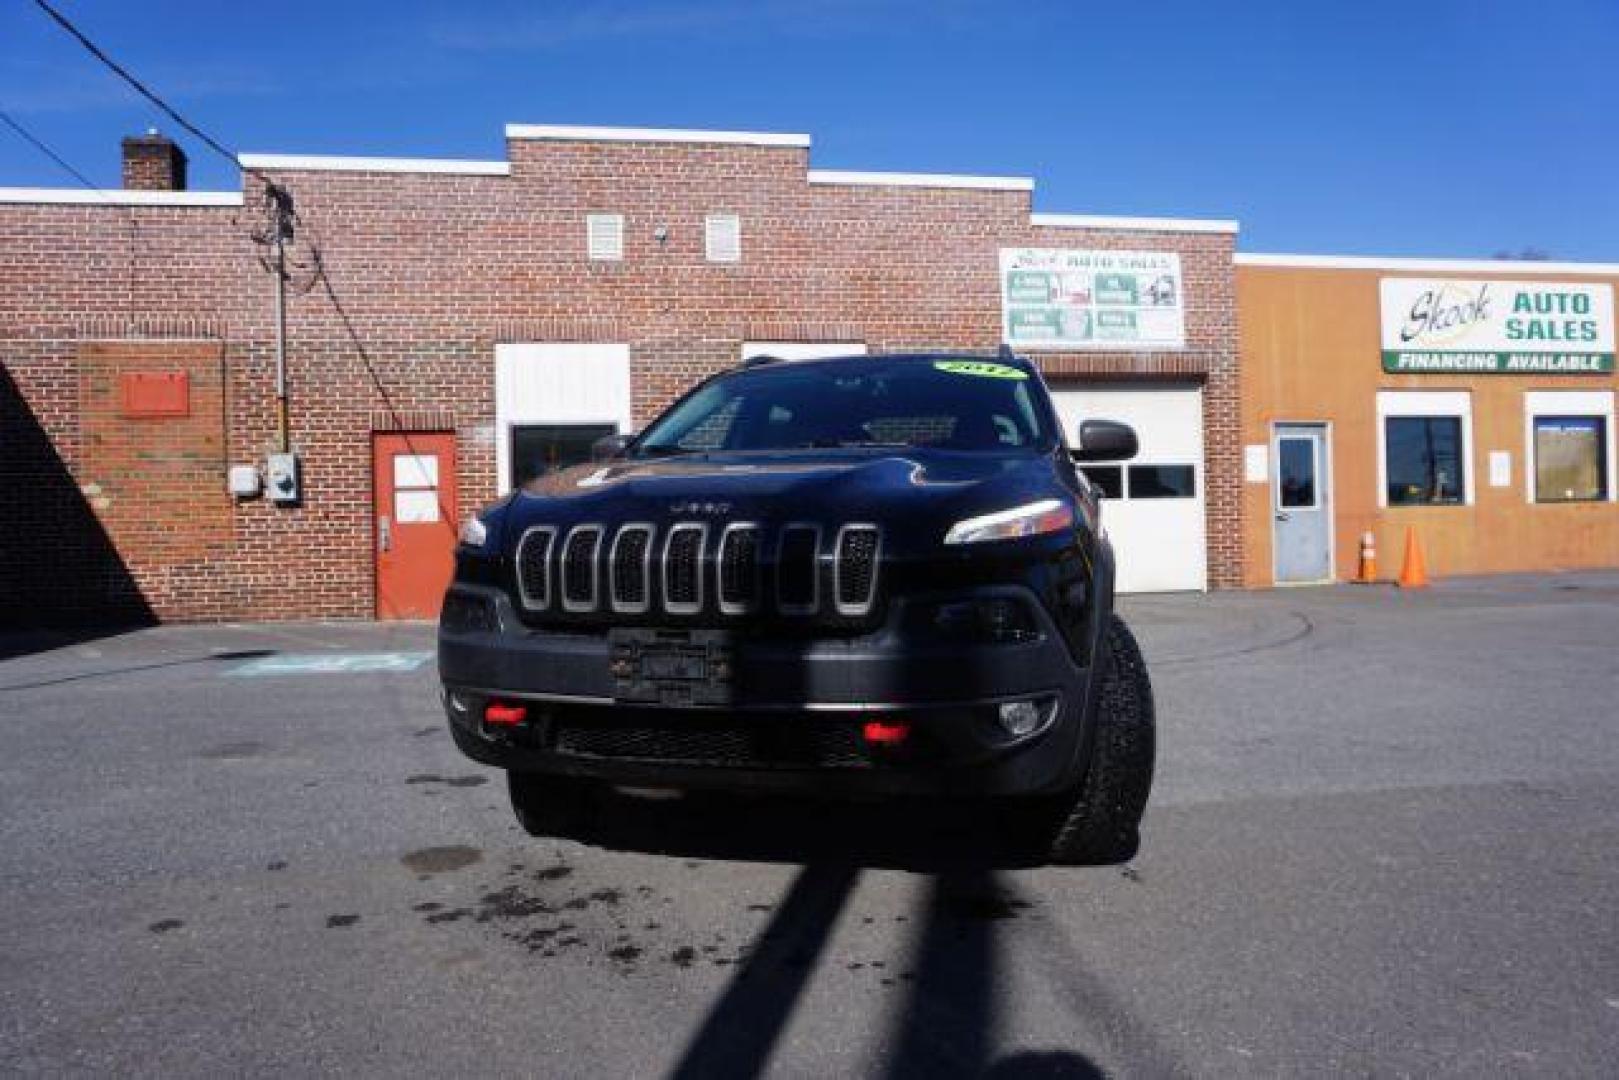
point(885, 732)
point(499, 714)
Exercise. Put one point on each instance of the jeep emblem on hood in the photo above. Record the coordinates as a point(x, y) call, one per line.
point(695, 507)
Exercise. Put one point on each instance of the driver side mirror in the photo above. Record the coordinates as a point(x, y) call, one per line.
point(611, 447)
point(1105, 440)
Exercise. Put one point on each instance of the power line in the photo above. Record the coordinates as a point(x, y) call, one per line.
point(281, 215)
point(278, 201)
point(39, 144)
point(141, 88)
point(67, 166)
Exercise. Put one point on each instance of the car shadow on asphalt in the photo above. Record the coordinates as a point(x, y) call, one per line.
point(948, 1022)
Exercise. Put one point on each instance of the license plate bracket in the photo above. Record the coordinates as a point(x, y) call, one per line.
point(654, 666)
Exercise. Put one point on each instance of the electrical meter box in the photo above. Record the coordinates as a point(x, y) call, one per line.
point(245, 481)
point(282, 479)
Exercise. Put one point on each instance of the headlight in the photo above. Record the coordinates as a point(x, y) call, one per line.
point(1033, 519)
point(474, 532)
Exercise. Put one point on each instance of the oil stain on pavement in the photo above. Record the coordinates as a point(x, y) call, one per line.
point(623, 928)
point(441, 860)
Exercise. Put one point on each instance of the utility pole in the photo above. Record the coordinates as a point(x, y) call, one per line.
point(281, 233)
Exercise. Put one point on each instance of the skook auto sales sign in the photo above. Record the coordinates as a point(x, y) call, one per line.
point(1053, 298)
point(1496, 327)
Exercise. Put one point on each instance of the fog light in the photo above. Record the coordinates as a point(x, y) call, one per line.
point(1021, 718)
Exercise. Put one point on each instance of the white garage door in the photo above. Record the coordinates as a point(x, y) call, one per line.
point(552, 401)
point(1153, 504)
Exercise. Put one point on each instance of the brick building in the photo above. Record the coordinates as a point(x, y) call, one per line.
point(479, 320)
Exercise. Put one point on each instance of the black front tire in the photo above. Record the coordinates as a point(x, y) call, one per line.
point(1098, 822)
point(548, 805)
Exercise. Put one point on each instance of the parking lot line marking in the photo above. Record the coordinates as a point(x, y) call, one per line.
point(331, 664)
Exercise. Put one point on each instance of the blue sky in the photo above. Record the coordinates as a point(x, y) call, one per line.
point(1363, 126)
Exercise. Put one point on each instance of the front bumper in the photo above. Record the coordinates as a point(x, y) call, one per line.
point(798, 715)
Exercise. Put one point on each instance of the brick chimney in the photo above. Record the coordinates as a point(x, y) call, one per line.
point(152, 162)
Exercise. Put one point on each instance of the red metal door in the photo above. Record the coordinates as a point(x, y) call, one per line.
point(414, 521)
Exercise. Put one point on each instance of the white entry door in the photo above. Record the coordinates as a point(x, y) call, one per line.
point(1153, 505)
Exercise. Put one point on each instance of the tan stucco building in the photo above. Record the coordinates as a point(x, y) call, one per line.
point(1472, 401)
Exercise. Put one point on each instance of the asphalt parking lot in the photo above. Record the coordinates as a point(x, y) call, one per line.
point(1384, 839)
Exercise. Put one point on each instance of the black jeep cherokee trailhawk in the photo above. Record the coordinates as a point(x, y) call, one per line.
point(867, 577)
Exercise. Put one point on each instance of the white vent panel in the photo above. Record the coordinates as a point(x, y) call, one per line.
point(604, 236)
point(724, 238)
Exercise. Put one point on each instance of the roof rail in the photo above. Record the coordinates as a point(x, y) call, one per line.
point(1005, 352)
point(760, 360)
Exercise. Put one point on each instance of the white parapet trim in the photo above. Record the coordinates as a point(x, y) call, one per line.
point(929, 180)
point(1373, 262)
point(332, 163)
point(118, 197)
point(1136, 224)
point(574, 133)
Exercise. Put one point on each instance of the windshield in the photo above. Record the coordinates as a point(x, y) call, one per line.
point(963, 404)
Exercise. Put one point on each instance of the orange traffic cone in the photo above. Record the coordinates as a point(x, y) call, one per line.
point(1414, 574)
point(1367, 574)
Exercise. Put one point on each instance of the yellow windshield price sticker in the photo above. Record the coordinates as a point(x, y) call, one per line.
point(983, 369)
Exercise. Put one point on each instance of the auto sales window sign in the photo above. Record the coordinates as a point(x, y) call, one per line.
point(1496, 327)
point(1053, 298)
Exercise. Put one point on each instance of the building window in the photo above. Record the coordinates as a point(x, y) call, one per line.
point(604, 236)
point(1424, 460)
point(1296, 473)
point(1108, 480)
point(1570, 445)
point(722, 235)
point(538, 449)
point(1162, 482)
point(1425, 447)
point(1571, 458)
point(1145, 481)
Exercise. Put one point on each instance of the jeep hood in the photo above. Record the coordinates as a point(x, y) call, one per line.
point(912, 492)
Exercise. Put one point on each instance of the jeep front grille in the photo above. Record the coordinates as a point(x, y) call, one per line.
point(579, 568)
point(534, 567)
point(854, 570)
point(739, 569)
point(687, 571)
point(798, 569)
point(751, 741)
point(683, 569)
point(630, 575)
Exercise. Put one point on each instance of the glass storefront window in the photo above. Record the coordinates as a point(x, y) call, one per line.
point(1570, 459)
point(1424, 460)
